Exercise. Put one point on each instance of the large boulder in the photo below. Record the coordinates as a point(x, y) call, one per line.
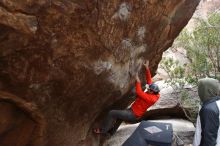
point(73, 59)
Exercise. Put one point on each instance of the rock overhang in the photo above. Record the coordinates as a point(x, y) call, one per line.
point(73, 59)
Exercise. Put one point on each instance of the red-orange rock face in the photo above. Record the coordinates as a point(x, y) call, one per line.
point(74, 58)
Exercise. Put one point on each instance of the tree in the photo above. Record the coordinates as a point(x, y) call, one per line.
point(203, 51)
point(177, 80)
point(203, 47)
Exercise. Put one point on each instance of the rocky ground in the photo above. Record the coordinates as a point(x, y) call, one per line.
point(183, 128)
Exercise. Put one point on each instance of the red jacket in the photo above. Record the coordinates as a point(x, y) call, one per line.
point(143, 100)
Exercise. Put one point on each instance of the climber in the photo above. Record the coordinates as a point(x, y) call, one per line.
point(207, 125)
point(142, 102)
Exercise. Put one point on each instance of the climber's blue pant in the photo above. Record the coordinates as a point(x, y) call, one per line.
point(113, 115)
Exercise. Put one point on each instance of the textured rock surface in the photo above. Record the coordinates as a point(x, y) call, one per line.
point(20, 122)
point(74, 59)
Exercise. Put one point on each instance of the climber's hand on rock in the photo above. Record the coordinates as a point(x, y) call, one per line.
point(146, 64)
point(137, 78)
